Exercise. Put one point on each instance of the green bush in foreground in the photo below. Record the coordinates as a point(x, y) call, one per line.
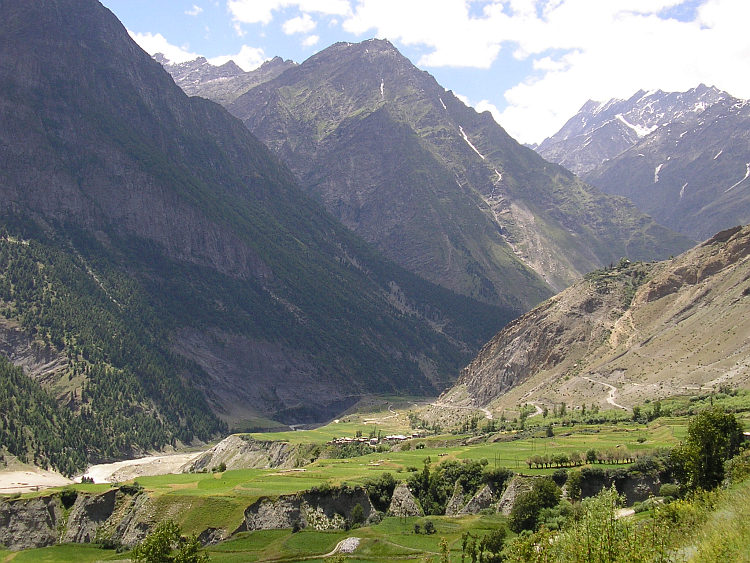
point(166, 545)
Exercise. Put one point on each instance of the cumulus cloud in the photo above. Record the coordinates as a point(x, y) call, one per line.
point(455, 37)
point(261, 11)
point(154, 43)
point(300, 24)
point(249, 58)
point(310, 41)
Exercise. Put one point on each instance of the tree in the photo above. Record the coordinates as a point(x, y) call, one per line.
point(358, 515)
point(166, 545)
point(713, 437)
point(525, 512)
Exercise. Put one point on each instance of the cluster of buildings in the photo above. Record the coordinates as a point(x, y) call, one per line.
point(374, 441)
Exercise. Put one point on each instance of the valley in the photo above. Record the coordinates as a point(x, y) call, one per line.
point(211, 503)
point(328, 310)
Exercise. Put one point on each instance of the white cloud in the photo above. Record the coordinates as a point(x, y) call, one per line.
point(300, 24)
point(310, 41)
point(456, 39)
point(194, 11)
point(249, 58)
point(154, 43)
point(261, 11)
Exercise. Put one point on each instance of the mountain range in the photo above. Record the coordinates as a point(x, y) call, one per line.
point(681, 157)
point(435, 186)
point(164, 275)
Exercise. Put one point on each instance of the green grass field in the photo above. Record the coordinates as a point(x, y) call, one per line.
point(202, 500)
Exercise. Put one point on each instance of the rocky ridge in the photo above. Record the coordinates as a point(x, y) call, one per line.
point(600, 131)
point(224, 83)
point(625, 334)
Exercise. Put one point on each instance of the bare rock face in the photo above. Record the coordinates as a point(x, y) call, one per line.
point(403, 503)
point(483, 499)
point(40, 361)
point(456, 502)
point(114, 515)
point(29, 523)
point(86, 515)
point(320, 510)
point(516, 486)
point(243, 452)
point(624, 334)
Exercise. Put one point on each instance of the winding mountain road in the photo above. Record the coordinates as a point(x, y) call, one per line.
point(487, 413)
point(612, 393)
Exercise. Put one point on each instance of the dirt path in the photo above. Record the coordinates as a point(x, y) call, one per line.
point(612, 393)
point(487, 413)
point(393, 414)
point(539, 410)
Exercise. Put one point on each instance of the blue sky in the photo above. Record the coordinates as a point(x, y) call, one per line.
point(532, 63)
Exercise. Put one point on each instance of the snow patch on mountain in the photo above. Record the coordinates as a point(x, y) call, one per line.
point(656, 173)
point(469, 142)
point(639, 130)
point(747, 174)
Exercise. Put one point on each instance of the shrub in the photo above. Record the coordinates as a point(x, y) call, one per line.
point(165, 543)
point(560, 476)
point(669, 490)
point(68, 497)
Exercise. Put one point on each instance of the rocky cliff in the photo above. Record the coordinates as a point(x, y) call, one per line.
point(119, 516)
point(320, 510)
point(243, 452)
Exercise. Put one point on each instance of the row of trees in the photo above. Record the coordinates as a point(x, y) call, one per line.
point(576, 459)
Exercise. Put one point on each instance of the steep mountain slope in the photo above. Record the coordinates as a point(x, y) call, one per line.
point(601, 131)
point(625, 334)
point(692, 174)
point(168, 265)
point(437, 187)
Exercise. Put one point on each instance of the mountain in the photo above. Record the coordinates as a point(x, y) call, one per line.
point(690, 175)
point(224, 83)
point(681, 157)
point(440, 189)
point(626, 334)
point(601, 131)
point(164, 275)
